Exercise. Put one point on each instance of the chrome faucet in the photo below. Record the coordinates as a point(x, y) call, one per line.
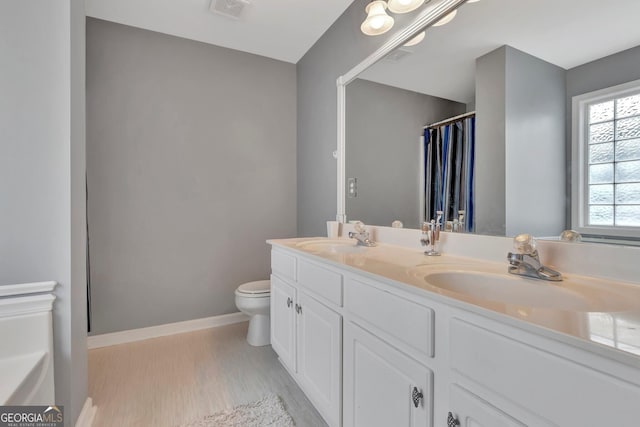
point(525, 261)
point(361, 235)
point(431, 235)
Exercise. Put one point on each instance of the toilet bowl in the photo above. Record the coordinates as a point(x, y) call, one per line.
point(254, 299)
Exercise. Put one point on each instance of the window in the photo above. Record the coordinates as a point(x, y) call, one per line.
point(606, 166)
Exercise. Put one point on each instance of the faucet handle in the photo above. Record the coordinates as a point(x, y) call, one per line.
point(570, 236)
point(524, 244)
point(359, 226)
point(439, 215)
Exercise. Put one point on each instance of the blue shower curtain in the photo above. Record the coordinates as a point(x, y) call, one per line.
point(449, 171)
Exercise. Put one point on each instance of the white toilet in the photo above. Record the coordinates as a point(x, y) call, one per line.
point(254, 299)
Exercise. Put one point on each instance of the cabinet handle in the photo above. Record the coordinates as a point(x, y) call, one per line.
point(416, 396)
point(289, 302)
point(452, 421)
point(298, 308)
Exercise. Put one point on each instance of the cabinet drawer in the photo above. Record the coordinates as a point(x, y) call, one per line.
point(283, 264)
point(394, 318)
point(557, 389)
point(322, 282)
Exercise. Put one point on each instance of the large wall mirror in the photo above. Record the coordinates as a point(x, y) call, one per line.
point(480, 120)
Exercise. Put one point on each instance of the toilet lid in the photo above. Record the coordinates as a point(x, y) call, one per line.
point(258, 287)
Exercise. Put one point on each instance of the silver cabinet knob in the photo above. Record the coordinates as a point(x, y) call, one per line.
point(452, 421)
point(416, 396)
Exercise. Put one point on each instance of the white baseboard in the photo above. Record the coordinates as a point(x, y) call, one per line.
point(88, 413)
point(122, 337)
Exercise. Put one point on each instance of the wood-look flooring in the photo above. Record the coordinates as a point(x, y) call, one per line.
point(172, 380)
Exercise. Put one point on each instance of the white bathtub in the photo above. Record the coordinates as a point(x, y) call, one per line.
point(26, 344)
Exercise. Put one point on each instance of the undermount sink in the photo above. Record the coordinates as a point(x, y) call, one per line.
point(509, 290)
point(575, 294)
point(331, 246)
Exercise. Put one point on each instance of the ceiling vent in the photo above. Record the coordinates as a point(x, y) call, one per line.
point(229, 8)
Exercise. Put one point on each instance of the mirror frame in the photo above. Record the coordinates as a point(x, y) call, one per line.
point(433, 13)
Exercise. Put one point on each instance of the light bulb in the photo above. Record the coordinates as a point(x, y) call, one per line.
point(404, 6)
point(415, 40)
point(448, 18)
point(377, 21)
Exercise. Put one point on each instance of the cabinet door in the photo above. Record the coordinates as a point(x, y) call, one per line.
point(471, 411)
point(283, 327)
point(379, 384)
point(319, 346)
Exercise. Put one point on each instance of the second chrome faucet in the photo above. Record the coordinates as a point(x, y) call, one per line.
point(361, 235)
point(431, 235)
point(525, 260)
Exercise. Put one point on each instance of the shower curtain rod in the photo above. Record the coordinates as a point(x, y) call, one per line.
point(450, 120)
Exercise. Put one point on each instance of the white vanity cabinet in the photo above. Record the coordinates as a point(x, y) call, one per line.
point(283, 321)
point(319, 350)
point(535, 380)
point(370, 352)
point(382, 386)
point(469, 410)
point(306, 329)
point(387, 348)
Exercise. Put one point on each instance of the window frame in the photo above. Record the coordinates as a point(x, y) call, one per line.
point(580, 161)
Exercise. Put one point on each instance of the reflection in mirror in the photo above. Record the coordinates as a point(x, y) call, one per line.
point(383, 149)
point(518, 66)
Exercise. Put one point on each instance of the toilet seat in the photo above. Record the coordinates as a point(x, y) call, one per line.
point(257, 289)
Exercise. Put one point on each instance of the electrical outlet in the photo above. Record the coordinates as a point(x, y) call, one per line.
point(352, 188)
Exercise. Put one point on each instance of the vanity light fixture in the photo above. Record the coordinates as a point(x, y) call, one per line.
point(404, 6)
point(415, 40)
point(377, 21)
point(446, 19)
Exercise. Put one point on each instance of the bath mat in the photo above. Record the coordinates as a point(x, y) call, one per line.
point(266, 412)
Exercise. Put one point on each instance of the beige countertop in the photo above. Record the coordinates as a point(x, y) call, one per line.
point(600, 315)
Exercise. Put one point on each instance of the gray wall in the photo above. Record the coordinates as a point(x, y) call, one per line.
point(384, 125)
point(490, 204)
point(520, 146)
point(612, 70)
point(340, 48)
point(535, 146)
point(42, 164)
point(191, 157)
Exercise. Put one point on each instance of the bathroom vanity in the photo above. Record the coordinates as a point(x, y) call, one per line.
point(386, 336)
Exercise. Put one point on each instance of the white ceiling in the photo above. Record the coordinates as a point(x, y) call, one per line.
point(279, 29)
point(567, 33)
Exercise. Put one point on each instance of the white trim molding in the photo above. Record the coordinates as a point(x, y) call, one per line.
point(26, 304)
point(27, 288)
point(431, 14)
point(131, 335)
point(87, 415)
